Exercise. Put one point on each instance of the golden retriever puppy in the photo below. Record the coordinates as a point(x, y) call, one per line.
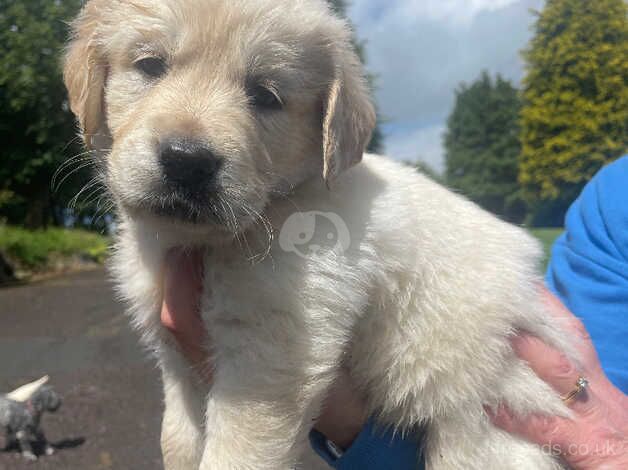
point(236, 125)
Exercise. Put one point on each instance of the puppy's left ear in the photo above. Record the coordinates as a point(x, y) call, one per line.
point(349, 115)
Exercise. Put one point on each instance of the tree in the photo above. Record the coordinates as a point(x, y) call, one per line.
point(377, 140)
point(482, 146)
point(575, 107)
point(426, 170)
point(35, 122)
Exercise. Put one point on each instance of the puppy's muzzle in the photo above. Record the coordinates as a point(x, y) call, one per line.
point(189, 166)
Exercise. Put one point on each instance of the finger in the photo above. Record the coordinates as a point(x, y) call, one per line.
point(574, 327)
point(552, 366)
point(182, 285)
point(180, 312)
point(558, 433)
point(186, 265)
point(568, 321)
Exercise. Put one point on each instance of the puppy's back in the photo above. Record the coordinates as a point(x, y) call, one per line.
point(453, 284)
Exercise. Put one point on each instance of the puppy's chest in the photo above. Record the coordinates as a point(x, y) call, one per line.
point(5, 411)
point(238, 292)
point(280, 288)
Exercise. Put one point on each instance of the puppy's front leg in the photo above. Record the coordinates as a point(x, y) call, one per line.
point(249, 432)
point(41, 439)
point(182, 425)
point(268, 388)
point(24, 440)
point(9, 439)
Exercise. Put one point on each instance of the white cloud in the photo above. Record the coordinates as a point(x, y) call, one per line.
point(448, 11)
point(424, 144)
point(421, 50)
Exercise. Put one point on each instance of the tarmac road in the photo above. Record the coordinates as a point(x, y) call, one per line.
point(72, 329)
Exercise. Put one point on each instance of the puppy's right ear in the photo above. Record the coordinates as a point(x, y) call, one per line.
point(84, 74)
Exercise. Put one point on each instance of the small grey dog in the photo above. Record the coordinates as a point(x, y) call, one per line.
point(21, 420)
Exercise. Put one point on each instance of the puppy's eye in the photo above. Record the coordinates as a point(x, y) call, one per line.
point(152, 67)
point(262, 97)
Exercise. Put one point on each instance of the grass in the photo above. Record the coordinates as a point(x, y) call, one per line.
point(547, 236)
point(34, 249)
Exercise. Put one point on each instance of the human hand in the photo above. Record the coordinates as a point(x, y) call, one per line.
point(344, 413)
point(597, 437)
point(180, 309)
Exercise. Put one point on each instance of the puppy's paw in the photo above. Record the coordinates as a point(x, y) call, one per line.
point(28, 455)
point(50, 450)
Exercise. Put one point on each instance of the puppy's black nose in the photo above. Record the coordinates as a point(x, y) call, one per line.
point(188, 164)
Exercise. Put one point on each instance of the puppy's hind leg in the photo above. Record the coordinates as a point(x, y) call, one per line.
point(182, 425)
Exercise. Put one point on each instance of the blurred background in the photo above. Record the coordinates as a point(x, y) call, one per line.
point(514, 103)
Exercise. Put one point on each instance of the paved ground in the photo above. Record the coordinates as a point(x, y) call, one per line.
point(72, 329)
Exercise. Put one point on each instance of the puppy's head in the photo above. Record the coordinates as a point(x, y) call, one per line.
point(203, 110)
point(46, 399)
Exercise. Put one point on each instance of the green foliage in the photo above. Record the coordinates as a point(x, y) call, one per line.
point(482, 146)
point(575, 111)
point(35, 122)
point(35, 248)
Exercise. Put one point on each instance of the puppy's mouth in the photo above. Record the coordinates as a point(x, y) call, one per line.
point(208, 211)
point(188, 189)
point(181, 206)
point(186, 209)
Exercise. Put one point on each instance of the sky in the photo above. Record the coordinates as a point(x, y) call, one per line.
point(421, 50)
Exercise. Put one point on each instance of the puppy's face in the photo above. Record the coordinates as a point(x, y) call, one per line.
point(204, 110)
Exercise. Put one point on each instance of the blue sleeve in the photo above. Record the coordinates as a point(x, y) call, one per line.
point(373, 449)
point(589, 266)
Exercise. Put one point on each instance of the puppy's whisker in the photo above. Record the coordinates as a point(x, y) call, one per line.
point(90, 184)
point(99, 204)
point(103, 211)
point(75, 139)
point(243, 243)
point(108, 203)
point(75, 170)
point(260, 220)
point(260, 217)
point(240, 234)
point(81, 157)
point(92, 196)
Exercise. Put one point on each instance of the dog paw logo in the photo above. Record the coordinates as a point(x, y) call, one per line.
point(313, 233)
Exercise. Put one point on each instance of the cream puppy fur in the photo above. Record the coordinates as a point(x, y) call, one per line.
point(220, 123)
